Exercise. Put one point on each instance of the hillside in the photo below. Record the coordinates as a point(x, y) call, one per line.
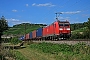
point(23, 28)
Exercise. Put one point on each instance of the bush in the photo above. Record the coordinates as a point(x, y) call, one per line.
point(2, 57)
point(77, 36)
point(87, 34)
point(15, 41)
point(79, 48)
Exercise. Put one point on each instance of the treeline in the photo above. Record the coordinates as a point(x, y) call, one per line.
point(29, 24)
point(85, 34)
point(76, 26)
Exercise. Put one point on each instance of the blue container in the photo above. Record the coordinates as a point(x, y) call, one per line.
point(22, 38)
point(30, 35)
point(39, 32)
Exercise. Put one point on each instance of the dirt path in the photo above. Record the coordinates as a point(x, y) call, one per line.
point(32, 54)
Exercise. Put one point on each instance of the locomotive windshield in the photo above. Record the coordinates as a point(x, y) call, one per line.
point(60, 24)
point(64, 24)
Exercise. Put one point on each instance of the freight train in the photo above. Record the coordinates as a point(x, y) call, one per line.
point(55, 31)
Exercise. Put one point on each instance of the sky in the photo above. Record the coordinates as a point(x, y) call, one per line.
point(43, 11)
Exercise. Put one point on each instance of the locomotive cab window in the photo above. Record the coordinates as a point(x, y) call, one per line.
point(60, 24)
point(63, 24)
point(66, 24)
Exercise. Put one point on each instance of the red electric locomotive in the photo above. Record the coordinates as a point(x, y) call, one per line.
point(57, 30)
point(62, 29)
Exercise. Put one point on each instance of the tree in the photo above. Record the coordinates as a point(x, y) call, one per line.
point(3, 26)
point(88, 24)
point(87, 32)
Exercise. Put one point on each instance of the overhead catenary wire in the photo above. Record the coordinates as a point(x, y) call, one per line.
point(53, 10)
point(47, 15)
point(67, 8)
point(64, 5)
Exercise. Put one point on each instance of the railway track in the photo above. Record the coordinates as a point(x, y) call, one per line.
point(75, 41)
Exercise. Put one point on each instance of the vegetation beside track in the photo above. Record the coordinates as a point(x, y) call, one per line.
point(19, 56)
point(56, 48)
point(49, 51)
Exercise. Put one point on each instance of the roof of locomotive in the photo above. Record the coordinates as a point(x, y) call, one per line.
point(63, 21)
point(59, 22)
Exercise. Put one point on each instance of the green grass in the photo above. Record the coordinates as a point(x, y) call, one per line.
point(67, 52)
point(34, 54)
point(19, 56)
point(56, 48)
point(49, 51)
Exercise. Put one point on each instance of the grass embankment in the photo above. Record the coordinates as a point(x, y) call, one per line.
point(49, 51)
point(19, 56)
point(34, 54)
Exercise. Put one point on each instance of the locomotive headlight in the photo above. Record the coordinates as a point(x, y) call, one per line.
point(60, 28)
point(68, 28)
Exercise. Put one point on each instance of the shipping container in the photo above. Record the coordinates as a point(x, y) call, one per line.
point(39, 32)
point(43, 34)
point(34, 34)
point(27, 36)
point(30, 35)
